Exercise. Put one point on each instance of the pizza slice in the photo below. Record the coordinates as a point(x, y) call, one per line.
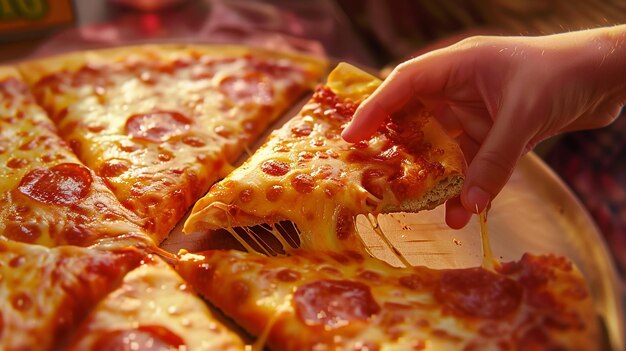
point(153, 309)
point(48, 196)
point(347, 301)
point(307, 174)
point(47, 292)
point(162, 123)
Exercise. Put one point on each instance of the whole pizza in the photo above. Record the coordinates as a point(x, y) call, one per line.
point(103, 152)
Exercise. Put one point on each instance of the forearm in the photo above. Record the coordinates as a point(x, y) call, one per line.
point(586, 69)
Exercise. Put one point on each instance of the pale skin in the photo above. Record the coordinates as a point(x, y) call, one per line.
point(500, 96)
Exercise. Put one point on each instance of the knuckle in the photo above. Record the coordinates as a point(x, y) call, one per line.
point(402, 67)
point(472, 42)
point(494, 167)
point(606, 119)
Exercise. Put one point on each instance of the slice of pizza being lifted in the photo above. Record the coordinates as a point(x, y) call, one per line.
point(162, 123)
point(153, 309)
point(348, 301)
point(48, 196)
point(307, 174)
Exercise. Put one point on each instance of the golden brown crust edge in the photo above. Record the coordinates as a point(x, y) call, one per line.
point(35, 69)
point(440, 193)
point(7, 72)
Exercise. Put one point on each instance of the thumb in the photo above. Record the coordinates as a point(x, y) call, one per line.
point(422, 76)
point(493, 164)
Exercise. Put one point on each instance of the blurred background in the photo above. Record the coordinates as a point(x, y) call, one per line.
point(371, 33)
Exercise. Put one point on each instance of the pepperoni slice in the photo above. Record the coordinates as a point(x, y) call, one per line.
point(288, 275)
point(303, 183)
point(157, 126)
point(23, 232)
point(302, 129)
point(145, 338)
point(21, 301)
point(345, 226)
point(250, 88)
point(334, 303)
point(62, 184)
point(246, 195)
point(16, 163)
point(479, 293)
point(344, 108)
point(275, 168)
point(113, 167)
point(273, 192)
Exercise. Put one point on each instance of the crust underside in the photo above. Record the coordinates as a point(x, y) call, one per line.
point(440, 193)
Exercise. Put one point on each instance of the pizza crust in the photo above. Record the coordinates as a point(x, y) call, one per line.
point(8, 72)
point(36, 69)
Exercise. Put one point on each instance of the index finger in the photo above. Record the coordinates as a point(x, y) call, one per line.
point(423, 75)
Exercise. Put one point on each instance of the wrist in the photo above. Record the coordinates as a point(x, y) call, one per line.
point(610, 43)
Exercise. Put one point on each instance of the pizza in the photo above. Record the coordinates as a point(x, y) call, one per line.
point(48, 196)
point(153, 309)
point(307, 174)
point(160, 124)
point(104, 151)
point(349, 301)
point(46, 292)
point(328, 293)
point(76, 298)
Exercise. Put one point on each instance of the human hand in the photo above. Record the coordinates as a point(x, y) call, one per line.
point(501, 96)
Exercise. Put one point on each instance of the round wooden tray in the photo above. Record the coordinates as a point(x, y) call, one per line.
point(535, 213)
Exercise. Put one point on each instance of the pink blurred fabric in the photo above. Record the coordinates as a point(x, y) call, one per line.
point(315, 27)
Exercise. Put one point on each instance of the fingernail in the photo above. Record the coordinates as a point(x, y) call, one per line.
point(477, 197)
point(347, 134)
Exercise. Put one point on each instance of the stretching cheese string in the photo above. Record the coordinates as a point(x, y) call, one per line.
point(376, 227)
point(489, 262)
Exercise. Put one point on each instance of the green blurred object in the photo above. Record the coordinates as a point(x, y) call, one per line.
point(28, 19)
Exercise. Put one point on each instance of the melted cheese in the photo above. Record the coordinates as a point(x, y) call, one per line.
point(28, 143)
point(371, 304)
point(307, 174)
point(161, 124)
point(46, 292)
point(154, 306)
point(373, 221)
point(489, 261)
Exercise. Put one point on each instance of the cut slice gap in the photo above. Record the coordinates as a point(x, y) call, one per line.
point(257, 142)
point(229, 323)
point(267, 239)
point(273, 239)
